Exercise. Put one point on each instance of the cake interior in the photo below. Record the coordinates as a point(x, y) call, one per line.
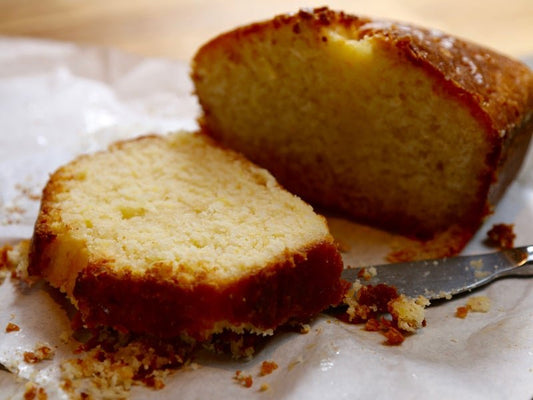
point(346, 122)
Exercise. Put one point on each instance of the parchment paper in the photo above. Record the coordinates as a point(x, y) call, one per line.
point(58, 100)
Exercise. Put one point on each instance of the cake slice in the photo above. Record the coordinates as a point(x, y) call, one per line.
point(176, 236)
point(400, 127)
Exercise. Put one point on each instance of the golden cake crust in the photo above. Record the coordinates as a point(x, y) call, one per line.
point(497, 88)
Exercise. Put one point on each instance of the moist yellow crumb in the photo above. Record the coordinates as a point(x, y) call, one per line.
point(409, 313)
point(264, 387)
point(474, 304)
point(479, 304)
point(14, 260)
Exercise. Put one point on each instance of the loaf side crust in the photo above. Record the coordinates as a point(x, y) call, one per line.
point(157, 303)
point(497, 88)
point(295, 289)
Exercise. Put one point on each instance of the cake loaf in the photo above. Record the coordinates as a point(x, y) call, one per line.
point(176, 236)
point(400, 127)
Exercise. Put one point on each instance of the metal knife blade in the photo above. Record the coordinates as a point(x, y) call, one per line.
point(443, 278)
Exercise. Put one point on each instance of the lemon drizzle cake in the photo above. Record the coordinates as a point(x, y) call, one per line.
point(401, 127)
point(175, 236)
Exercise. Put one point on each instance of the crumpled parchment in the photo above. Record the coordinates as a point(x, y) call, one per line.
point(58, 100)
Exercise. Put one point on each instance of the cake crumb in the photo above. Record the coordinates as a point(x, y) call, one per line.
point(479, 304)
point(305, 328)
point(244, 380)
point(502, 236)
point(477, 265)
point(28, 192)
point(14, 261)
point(264, 387)
point(110, 363)
point(408, 313)
point(5, 265)
point(295, 362)
point(34, 392)
point(367, 273)
point(11, 327)
point(481, 274)
point(461, 312)
point(440, 295)
point(41, 352)
point(445, 295)
point(394, 336)
point(474, 304)
point(267, 367)
point(369, 304)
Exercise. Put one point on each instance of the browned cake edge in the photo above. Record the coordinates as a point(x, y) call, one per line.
point(296, 289)
point(497, 88)
point(157, 303)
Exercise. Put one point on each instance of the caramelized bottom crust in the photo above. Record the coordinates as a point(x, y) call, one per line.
point(296, 289)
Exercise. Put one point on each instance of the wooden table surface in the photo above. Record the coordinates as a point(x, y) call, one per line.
point(176, 28)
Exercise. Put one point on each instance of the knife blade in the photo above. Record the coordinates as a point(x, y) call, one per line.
point(446, 277)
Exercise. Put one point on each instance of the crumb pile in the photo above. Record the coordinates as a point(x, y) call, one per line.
point(42, 352)
point(34, 392)
point(110, 363)
point(369, 304)
point(247, 380)
point(475, 304)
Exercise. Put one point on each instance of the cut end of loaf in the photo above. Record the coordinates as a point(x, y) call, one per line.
point(397, 126)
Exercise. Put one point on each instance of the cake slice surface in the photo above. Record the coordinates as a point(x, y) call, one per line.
point(401, 127)
point(177, 236)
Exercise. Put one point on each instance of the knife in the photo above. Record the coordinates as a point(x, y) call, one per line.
point(446, 277)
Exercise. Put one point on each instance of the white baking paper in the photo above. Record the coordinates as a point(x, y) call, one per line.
point(58, 100)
